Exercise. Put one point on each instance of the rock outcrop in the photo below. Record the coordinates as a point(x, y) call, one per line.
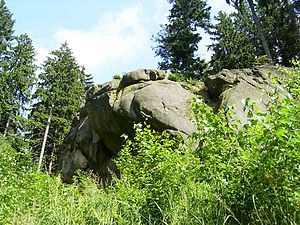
point(230, 88)
point(112, 108)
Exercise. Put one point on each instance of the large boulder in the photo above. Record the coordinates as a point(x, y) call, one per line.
point(112, 108)
point(232, 88)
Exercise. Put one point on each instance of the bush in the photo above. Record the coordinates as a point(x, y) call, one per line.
point(156, 165)
point(175, 77)
point(117, 76)
point(257, 168)
point(262, 60)
point(168, 180)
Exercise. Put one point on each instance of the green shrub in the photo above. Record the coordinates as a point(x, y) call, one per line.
point(167, 179)
point(117, 76)
point(157, 165)
point(262, 60)
point(13, 167)
point(257, 167)
point(30, 197)
point(292, 80)
point(175, 77)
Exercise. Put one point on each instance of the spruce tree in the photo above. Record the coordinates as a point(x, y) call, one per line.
point(281, 20)
point(16, 73)
point(257, 22)
point(232, 46)
point(88, 80)
point(6, 36)
point(59, 94)
point(6, 25)
point(178, 39)
point(20, 77)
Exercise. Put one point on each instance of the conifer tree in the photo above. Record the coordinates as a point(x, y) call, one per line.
point(6, 25)
point(20, 78)
point(178, 39)
point(277, 25)
point(281, 20)
point(6, 36)
point(232, 44)
point(16, 72)
point(88, 81)
point(235, 36)
point(257, 23)
point(59, 94)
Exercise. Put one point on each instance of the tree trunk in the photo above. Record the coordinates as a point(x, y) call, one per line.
point(51, 160)
point(44, 140)
point(7, 126)
point(260, 30)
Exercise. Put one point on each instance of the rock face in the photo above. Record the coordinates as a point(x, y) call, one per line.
point(112, 108)
point(231, 88)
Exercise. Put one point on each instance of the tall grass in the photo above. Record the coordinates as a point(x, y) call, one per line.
point(247, 176)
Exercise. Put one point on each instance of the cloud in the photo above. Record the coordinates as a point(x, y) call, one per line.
point(120, 41)
point(118, 37)
point(161, 11)
point(219, 5)
point(41, 54)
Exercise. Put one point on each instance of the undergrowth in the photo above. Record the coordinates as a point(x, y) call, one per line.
point(235, 176)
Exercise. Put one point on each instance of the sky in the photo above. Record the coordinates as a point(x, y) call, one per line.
point(106, 37)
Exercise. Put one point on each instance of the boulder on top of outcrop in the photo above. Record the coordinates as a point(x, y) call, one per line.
point(112, 108)
point(138, 76)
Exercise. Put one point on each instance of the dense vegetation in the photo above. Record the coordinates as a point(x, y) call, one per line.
point(235, 176)
point(255, 29)
point(245, 176)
